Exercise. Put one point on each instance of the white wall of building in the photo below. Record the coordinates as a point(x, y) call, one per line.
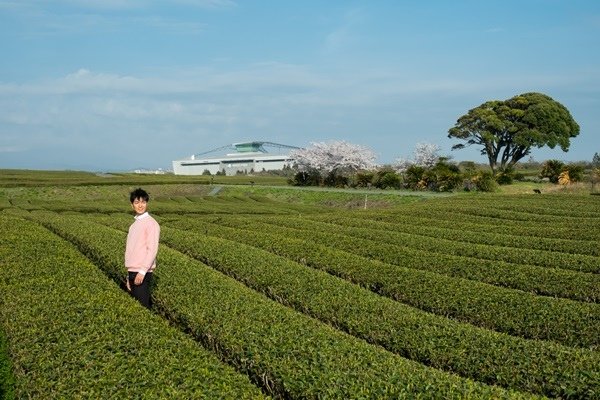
point(232, 163)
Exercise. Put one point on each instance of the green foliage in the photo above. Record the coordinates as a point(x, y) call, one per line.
point(363, 179)
point(508, 130)
point(7, 380)
point(505, 176)
point(498, 289)
point(258, 335)
point(485, 182)
point(575, 172)
point(596, 161)
point(336, 179)
point(376, 266)
point(443, 177)
point(469, 168)
point(472, 352)
point(414, 177)
point(551, 169)
point(43, 179)
point(74, 334)
point(311, 177)
point(386, 178)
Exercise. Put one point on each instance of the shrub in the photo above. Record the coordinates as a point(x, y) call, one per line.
point(485, 182)
point(363, 179)
point(563, 178)
point(413, 177)
point(504, 178)
point(387, 178)
point(575, 172)
point(476, 353)
point(443, 177)
point(336, 179)
point(309, 177)
point(551, 170)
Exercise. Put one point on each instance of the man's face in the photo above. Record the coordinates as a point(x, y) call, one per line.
point(139, 206)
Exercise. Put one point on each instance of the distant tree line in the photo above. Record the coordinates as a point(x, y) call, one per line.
point(339, 164)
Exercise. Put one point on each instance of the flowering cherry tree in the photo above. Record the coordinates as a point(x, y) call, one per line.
point(338, 157)
point(425, 155)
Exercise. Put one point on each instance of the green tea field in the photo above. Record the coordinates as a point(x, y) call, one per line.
point(268, 292)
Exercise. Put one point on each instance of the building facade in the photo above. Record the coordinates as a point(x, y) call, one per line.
point(248, 157)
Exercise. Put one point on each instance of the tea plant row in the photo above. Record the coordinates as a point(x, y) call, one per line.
point(294, 355)
point(511, 311)
point(483, 355)
point(71, 333)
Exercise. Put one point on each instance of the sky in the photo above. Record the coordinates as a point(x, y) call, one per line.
point(117, 85)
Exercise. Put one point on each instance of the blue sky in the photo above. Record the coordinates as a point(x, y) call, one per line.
point(125, 84)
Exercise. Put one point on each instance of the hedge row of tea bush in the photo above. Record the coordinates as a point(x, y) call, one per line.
point(504, 310)
point(7, 384)
point(519, 217)
point(456, 232)
point(445, 218)
point(483, 355)
point(294, 355)
point(71, 333)
point(390, 247)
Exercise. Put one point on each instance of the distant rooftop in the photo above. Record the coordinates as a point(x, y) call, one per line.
point(248, 147)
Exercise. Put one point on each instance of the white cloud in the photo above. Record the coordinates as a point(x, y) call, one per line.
point(186, 111)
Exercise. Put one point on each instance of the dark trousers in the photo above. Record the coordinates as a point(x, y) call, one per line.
point(141, 292)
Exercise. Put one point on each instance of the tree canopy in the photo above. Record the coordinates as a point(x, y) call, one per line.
point(335, 156)
point(331, 163)
point(425, 155)
point(508, 130)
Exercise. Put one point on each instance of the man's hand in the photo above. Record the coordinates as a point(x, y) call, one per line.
point(139, 278)
point(127, 285)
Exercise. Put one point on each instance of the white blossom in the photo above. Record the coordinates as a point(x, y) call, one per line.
point(425, 155)
point(331, 156)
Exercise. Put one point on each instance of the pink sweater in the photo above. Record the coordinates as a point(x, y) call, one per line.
point(142, 244)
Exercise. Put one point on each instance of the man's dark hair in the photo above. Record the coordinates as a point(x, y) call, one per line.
point(138, 193)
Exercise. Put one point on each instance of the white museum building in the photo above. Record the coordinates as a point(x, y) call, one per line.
point(247, 157)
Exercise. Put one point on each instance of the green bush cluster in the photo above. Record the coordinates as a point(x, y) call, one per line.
point(482, 355)
point(551, 169)
point(73, 334)
point(292, 354)
point(442, 177)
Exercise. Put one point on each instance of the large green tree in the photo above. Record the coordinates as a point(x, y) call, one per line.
point(508, 130)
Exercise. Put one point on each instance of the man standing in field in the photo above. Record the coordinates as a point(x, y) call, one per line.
point(141, 248)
